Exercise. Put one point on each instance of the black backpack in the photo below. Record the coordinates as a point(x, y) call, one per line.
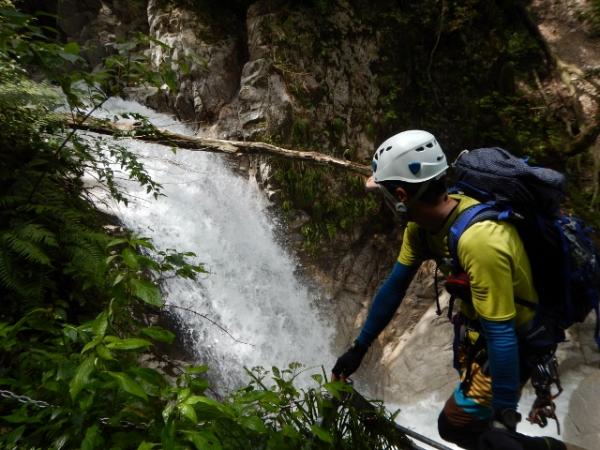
point(564, 262)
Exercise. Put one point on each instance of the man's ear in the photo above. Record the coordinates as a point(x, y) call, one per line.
point(401, 194)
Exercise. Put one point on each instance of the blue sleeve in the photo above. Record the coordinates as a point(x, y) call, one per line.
point(386, 302)
point(503, 357)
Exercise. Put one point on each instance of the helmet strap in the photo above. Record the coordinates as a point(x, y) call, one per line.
point(401, 208)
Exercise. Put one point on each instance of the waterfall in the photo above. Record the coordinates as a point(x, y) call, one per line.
point(251, 289)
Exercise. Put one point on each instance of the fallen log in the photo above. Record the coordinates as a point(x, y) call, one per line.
point(197, 143)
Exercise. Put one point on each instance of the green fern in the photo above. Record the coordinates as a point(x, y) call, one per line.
point(22, 282)
point(26, 249)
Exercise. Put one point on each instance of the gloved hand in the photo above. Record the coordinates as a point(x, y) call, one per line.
point(347, 364)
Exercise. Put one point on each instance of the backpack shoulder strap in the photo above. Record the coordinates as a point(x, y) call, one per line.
point(468, 217)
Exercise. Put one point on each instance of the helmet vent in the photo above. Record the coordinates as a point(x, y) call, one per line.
point(419, 149)
point(439, 158)
point(429, 145)
point(381, 150)
point(388, 149)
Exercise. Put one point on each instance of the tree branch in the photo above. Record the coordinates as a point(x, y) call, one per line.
point(584, 140)
point(197, 143)
point(204, 316)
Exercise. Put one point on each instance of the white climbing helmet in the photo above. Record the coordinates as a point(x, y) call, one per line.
point(413, 156)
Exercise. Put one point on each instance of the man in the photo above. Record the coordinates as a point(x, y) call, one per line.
point(409, 169)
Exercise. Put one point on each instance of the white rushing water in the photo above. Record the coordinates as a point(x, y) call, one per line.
point(252, 290)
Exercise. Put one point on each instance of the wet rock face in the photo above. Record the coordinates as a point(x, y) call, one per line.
point(97, 25)
point(583, 424)
point(272, 74)
point(208, 65)
point(322, 78)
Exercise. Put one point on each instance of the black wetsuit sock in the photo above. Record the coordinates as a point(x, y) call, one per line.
point(497, 439)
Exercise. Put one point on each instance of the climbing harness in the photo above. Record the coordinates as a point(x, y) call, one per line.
point(545, 374)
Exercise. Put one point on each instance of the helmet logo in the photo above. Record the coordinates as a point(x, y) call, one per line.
point(414, 167)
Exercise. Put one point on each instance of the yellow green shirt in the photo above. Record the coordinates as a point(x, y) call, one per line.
point(491, 253)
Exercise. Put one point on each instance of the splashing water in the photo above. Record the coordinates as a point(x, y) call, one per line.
point(251, 290)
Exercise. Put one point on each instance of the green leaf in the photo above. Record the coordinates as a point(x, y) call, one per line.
point(118, 279)
point(196, 369)
point(146, 446)
point(253, 423)
point(193, 399)
point(159, 334)
point(322, 434)
point(5, 328)
point(72, 48)
point(82, 376)
point(14, 436)
point(92, 439)
point(69, 57)
point(188, 411)
point(146, 291)
point(18, 416)
point(130, 258)
point(127, 344)
point(90, 345)
point(259, 396)
point(209, 407)
point(110, 259)
point(100, 324)
point(168, 411)
point(203, 440)
point(104, 353)
point(117, 241)
point(338, 388)
point(128, 384)
point(143, 242)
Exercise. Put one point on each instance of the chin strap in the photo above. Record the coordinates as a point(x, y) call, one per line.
point(400, 208)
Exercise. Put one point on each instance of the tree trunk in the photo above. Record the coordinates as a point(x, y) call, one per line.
point(196, 143)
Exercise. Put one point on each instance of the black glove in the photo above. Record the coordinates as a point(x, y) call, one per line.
point(347, 364)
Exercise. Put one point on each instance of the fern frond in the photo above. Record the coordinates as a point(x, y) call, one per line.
point(6, 271)
point(15, 277)
point(87, 253)
point(8, 201)
point(38, 234)
point(26, 249)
